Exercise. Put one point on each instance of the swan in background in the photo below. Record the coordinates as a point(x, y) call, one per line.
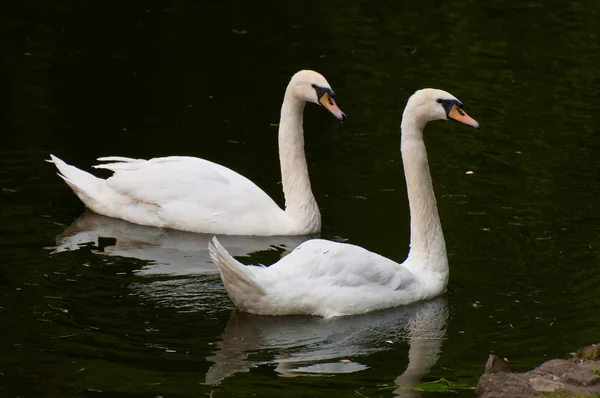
point(168, 251)
point(193, 194)
point(311, 346)
point(330, 279)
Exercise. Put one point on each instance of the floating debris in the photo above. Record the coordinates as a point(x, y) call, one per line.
point(63, 337)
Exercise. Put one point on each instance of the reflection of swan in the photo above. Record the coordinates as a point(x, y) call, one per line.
point(169, 251)
point(327, 278)
point(304, 345)
point(193, 194)
point(426, 332)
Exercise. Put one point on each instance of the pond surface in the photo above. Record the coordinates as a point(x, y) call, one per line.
point(96, 307)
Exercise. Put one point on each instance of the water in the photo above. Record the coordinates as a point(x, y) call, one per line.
point(139, 313)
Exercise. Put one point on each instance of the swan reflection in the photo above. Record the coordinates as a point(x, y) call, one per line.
point(168, 251)
point(315, 346)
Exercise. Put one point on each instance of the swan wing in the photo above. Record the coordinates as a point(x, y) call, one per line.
point(339, 264)
point(191, 193)
point(328, 278)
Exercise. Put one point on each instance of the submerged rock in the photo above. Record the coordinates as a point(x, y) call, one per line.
point(578, 376)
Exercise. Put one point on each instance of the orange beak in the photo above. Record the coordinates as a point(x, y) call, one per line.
point(332, 107)
point(461, 116)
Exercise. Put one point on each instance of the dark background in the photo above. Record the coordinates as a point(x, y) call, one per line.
point(153, 78)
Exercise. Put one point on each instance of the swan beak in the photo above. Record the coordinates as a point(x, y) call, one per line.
point(327, 101)
point(461, 116)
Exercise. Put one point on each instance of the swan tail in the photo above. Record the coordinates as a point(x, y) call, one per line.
point(85, 185)
point(117, 159)
point(240, 286)
point(119, 163)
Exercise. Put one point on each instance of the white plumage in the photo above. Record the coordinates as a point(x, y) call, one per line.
point(319, 277)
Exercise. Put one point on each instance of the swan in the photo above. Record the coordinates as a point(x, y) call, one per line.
point(330, 279)
point(195, 195)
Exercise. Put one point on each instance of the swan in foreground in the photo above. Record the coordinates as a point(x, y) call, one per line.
point(329, 279)
point(195, 195)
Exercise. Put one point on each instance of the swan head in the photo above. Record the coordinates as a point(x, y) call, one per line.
point(430, 104)
point(310, 86)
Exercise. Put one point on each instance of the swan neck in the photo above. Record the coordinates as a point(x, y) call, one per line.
point(427, 245)
point(300, 203)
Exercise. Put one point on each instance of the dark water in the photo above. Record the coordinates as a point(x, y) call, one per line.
point(138, 313)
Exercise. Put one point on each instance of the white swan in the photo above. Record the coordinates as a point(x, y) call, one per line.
point(193, 194)
point(329, 279)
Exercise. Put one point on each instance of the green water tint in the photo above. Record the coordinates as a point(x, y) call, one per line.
point(441, 385)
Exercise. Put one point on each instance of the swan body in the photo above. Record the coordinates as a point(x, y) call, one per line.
point(320, 277)
point(196, 195)
point(330, 279)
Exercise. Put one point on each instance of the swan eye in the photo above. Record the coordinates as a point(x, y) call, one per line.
point(439, 100)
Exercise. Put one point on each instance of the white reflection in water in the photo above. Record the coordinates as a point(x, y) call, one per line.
point(302, 346)
point(315, 346)
point(168, 251)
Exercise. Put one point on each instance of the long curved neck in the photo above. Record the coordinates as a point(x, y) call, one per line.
point(427, 246)
point(300, 203)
